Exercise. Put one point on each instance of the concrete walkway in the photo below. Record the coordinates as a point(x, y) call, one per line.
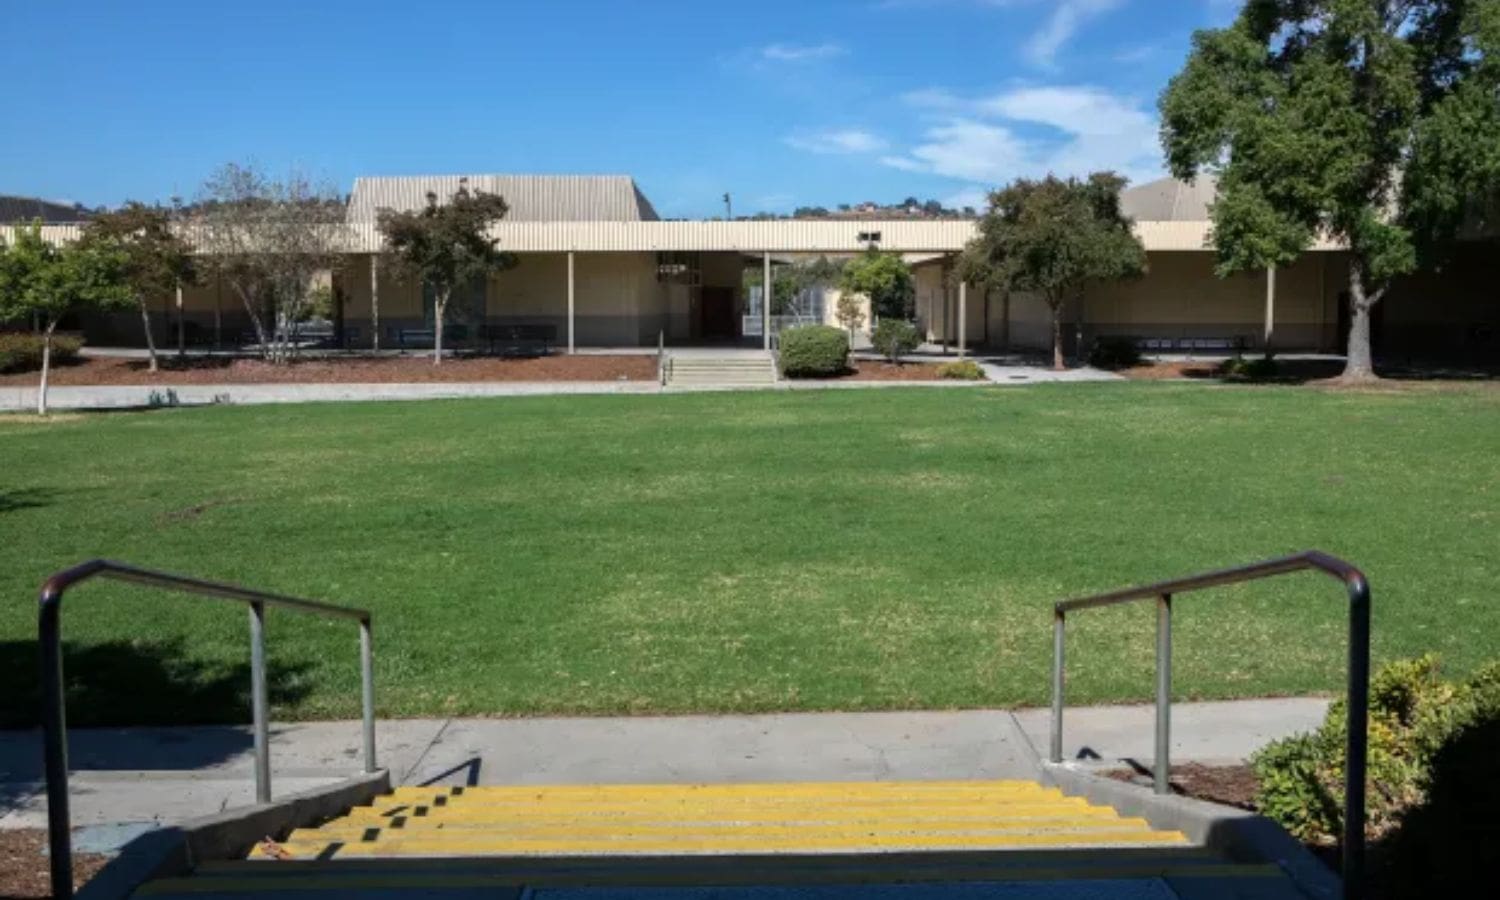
point(152, 776)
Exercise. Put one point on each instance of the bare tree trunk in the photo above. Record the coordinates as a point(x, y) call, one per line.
point(439, 307)
point(146, 324)
point(1057, 351)
point(260, 328)
point(1359, 365)
point(41, 391)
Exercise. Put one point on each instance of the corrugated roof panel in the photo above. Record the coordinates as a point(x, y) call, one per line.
point(532, 198)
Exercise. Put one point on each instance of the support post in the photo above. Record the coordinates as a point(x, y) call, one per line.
point(1270, 307)
point(367, 691)
point(55, 744)
point(259, 703)
point(571, 316)
point(963, 319)
point(766, 292)
point(1058, 624)
point(374, 301)
point(181, 329)
point(1356, 739)
point(1163, 694)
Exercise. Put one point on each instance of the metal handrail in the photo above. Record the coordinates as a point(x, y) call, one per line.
point(54, 715)
point(1358, 675)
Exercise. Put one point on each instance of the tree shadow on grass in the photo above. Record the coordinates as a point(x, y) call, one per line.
point(15, 499)
point(1447, 847)
point(118, 683)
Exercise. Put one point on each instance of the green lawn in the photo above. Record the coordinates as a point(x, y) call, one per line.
point(742, 552)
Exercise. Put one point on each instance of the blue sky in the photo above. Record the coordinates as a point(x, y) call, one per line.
point(780, 103)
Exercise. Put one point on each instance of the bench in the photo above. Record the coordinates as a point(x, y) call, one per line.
point(423, 338)
point(521, 340)
point(1216, 344)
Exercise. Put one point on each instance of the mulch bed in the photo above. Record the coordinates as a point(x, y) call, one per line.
point(226, 370)
point(23, 865)
point(1229, 785)
point(870, 370)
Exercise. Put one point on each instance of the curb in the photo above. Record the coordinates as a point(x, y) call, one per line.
point(169, 852)
point(1241, 836)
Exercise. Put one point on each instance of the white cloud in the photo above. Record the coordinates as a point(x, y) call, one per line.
point(976, 197)
point(1067, 17)
point(842, 142)
point(1031, 131)
point(795, 53)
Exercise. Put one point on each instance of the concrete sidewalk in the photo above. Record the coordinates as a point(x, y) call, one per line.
point(164, 775)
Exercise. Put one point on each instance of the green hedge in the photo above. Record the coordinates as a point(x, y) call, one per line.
point(893, 338)
point(814, 351)
point(962, 370)
point(22, 352)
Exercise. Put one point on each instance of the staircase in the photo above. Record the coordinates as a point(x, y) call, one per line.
point(831, 841)
point(720, 370)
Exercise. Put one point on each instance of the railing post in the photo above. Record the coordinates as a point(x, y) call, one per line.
point(1058, 624)
point(1357, 738)
point(259, 702)
point(1164, 694)
point(367, 691)
point(55, 747)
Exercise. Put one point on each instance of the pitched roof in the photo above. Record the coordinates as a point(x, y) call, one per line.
point(28, 209)
point(1170, 200)
point(532, 198)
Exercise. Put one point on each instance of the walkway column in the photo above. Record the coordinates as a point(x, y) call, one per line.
point(963, 319)
point(571, 316)
point(766, 290)
point(1270, 306)
point(374, 302)
point(181, 328)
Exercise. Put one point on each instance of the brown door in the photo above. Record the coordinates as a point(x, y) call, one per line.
point(717, 310)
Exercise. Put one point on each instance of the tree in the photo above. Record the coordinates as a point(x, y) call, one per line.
point(1310, 113)
point(157, 259)
point(269, 241)
point(885, 279)
point(1053, 237)
point(444, 246)
point(41, 282)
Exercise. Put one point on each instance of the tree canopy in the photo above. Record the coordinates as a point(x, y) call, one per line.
point(446, 245)
point(1052, 237)
point(1374, 122)
point(886, 279)
point(157, 259)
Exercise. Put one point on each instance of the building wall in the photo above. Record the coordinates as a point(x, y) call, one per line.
point(1453, 313)
point(617, 299)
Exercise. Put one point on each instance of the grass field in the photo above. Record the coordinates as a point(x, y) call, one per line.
point(743, 552)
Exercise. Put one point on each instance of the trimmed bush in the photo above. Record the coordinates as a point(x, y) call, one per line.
point(814, 351)
point(1114, 352)
point(1416, 718)
point(963, 370)
point(22, 352)
point(893, 337)
point(1240, 368)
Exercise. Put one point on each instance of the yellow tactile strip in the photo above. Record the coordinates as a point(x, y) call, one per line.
point(600, 820)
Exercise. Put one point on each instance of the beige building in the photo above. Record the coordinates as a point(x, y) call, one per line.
point(597, 267)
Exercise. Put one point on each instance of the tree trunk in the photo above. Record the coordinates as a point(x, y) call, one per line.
point(439, 307)
point(150, 339)
point(1057, 352)
point(1359, 365)
point(41, 391)
point(260, 328)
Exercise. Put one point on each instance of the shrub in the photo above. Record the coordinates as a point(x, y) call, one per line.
point(814, 351)
point(893, 337)
point(1415, 716)
point(1258, 368)
point(1114, 352)
point(20, 352)
point(963, 370)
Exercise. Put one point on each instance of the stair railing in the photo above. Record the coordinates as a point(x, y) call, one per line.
point(54, 714)
point(1358, 675)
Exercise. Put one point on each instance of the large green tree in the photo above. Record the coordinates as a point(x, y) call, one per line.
point(1053, 237)
point(157, 259)
point(886, 279)
point(446, 245)
point(42, 282)
point(1374, 123)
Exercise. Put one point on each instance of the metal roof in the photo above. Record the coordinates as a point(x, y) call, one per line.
point(532, 198)
point(1170, 200)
